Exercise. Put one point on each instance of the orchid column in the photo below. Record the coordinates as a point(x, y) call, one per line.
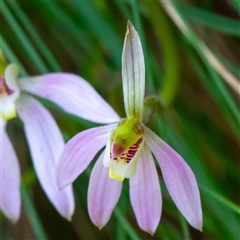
point(128, 154)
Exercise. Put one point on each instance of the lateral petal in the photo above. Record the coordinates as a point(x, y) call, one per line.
point(179, 179)
point(79, 152)
point(145, 193)
point(46, 144)
point(133, 74)
point(10, 201)
point(73, 94)
point(103, 194)
point(106, 158)
point(132, 166)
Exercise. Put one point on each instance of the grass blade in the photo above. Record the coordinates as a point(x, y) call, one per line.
point(11, 57)
point(177, 17)
point(66, 24)
point(34, 35)
point(170, 53)
point(186, 233)
point(221, 199)
point(210, 19)
point(189, 152)
point(105, 33)
point(125, 225)
point(32, 214)
point(27, 45)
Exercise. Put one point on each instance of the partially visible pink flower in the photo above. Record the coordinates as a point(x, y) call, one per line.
point(9, 177)
point(128, 154)
point(43, 135)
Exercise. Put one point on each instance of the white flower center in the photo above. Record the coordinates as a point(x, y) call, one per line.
point(9, 92)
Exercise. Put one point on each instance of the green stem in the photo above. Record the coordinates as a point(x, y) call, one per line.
point(169, 47)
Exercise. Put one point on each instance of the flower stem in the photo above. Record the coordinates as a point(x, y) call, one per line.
point(170, 53)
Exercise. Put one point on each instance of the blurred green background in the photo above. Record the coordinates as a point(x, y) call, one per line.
point(199, 118)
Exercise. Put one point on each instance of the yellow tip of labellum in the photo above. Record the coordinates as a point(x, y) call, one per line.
point(9, 115)
point(114, 175)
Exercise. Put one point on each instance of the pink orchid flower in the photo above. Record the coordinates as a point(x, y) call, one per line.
point(129, 144)
point(43, 135)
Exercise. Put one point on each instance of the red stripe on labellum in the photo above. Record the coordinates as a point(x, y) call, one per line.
point(130, 153)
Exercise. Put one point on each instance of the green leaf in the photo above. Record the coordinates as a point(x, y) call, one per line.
point(63, 22)
point(207, 80)
point(185, 145)
point(32, 214)
point(184, 224)
point(27, 45)
point(125, 224)
point(105, 32)
point(11, 57)
point(170, 52)
point(236, 5)
point(216, 81)
point(210, 20)
point(221, 199)
point(35, 36)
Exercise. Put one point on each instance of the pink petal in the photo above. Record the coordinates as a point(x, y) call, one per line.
point(10, 200)
point(46, 144)
point(73, 94)
point(103, 194)
point(133, 73)
point(179, 179)
point(145, 193)
point(79, 152)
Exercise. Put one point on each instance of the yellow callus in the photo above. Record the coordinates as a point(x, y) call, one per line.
point(127, 132)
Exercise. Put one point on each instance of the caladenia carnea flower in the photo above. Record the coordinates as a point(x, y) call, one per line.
point(129, 144)
point(42, 133)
